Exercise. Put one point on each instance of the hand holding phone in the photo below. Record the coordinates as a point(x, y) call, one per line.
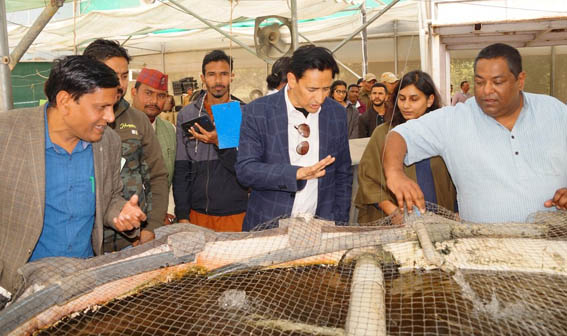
point(204, 121)
point(202, 129)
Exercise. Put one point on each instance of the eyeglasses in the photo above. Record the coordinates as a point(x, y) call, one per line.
point(340, 91)
point(303, 147)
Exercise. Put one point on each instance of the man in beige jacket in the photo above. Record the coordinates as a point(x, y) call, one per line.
point(60, 171)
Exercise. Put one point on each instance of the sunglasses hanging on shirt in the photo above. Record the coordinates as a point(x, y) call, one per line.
point(303, 147)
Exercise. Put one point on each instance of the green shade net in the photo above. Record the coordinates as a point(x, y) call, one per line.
point(28, 79)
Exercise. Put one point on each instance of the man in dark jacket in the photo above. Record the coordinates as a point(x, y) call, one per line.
point(376, 113)
point(293, 150)
point(205, 188)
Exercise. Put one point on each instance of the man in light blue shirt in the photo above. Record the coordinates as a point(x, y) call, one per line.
point(506, 150)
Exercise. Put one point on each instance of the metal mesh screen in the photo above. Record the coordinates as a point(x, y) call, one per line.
point(404, 275)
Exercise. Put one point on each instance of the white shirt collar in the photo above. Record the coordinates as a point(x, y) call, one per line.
point(289, 105)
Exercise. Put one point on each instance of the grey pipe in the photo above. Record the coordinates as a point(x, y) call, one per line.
point(6, 99)
point(294, 29)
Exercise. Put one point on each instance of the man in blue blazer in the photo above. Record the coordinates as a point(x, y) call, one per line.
point(293, 150)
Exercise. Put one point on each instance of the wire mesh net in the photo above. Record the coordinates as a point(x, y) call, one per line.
point(409, 275)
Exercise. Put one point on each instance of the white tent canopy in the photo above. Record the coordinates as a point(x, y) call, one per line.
point(318, 20)
point(162, 28)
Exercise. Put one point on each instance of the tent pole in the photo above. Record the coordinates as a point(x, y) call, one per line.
point(359, 29)
point(396, 47)
point(220, 31)
point(33, 31)
point(294, 31)
point(364, 37)
point(6, 101)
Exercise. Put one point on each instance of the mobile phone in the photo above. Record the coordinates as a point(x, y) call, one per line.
point(204, 121)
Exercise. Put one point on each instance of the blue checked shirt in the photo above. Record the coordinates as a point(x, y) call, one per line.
point(500, 175)
point(69, 202)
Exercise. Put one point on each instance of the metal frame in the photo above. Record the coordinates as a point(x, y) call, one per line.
point(437, 40)
point(48, 12)
point(8, 61)
point(6, 99)
point(336, 59)
point(295, 32)
point(220, 31)
point(294, 29)
point(362, 27)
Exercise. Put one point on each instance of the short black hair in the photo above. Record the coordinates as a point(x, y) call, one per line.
point(379, 84)
point(309, 57)
point(216, 56)
point(463, 83)
point(351, 86)
point(102, 50)
point(359, 81)
point(509, 53)
point(78, 75)
point(279, 72)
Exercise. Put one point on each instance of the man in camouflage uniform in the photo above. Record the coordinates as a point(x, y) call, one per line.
point(143, 171)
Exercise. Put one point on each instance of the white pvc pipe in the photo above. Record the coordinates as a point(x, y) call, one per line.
point(429, 252)
point(367, 308)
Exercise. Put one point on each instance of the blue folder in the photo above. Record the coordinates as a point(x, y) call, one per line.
point(228, 117)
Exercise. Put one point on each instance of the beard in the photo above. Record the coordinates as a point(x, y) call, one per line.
point(218, 91)
point(219, 95)
point(378, 104)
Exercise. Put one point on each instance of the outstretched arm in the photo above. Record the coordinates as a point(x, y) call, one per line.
point(405, 190)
